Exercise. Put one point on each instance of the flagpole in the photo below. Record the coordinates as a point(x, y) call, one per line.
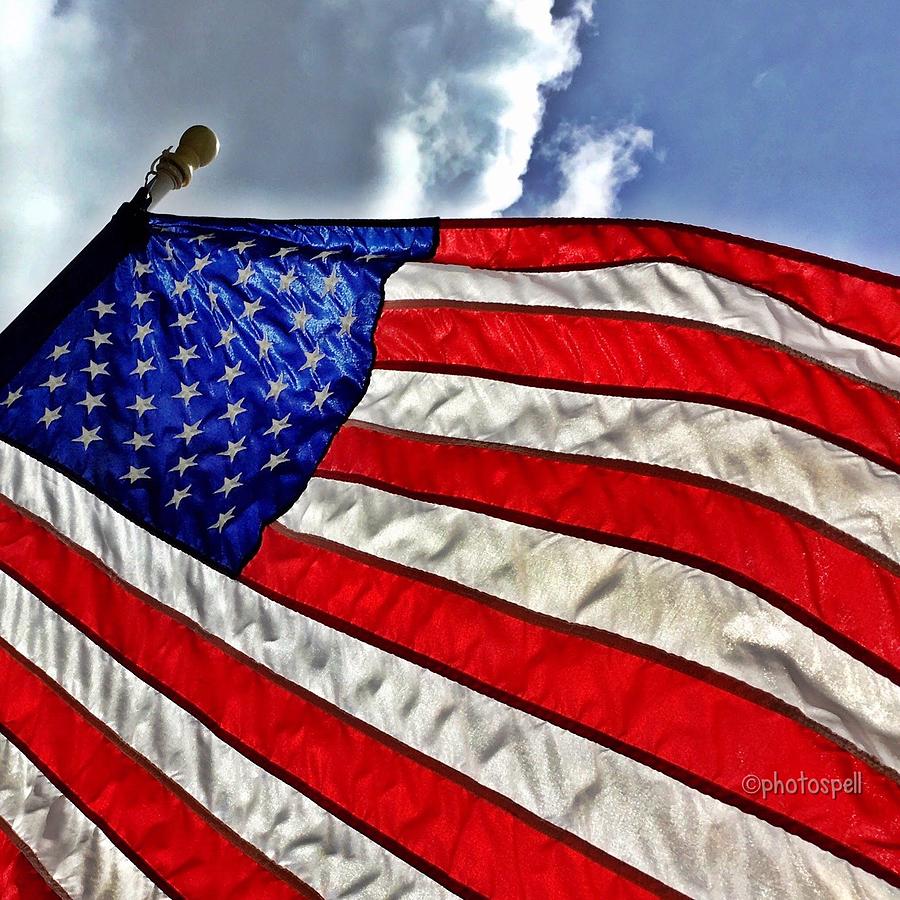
point(173, 169)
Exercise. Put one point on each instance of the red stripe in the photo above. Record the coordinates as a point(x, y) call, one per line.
point(177, 848)
point(473, 842)
point(782, 559)
point(855, 300)
point(644, 358)
point(653, 712)
point(19, 877)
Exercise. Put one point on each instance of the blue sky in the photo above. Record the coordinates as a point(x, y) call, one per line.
point(774, 118)
point(778, 119)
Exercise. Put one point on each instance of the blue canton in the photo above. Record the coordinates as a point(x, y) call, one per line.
point(198, 386)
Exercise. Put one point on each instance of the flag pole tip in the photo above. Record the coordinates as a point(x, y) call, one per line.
point(199, 145)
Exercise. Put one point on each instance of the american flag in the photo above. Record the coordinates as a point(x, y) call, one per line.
point(512, 558)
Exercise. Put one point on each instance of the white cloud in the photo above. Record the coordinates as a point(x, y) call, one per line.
point(593, 167)
point(471, 103)
point(44, 129)
point(335, 108)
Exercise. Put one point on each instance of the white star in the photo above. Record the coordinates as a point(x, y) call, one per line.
point(278, 425)
point(141, 440)
point(213, 297)
point(134, 474)
point(368, 257)
point(325, 254)
point(228, 335)
point(229, 484)
point(244, 275)
point(184, 463)
point(169, 254)
point(98, 339)
point(283, 252)
point(200, 238)
point(185, 355)
point(276, 387)
point(87, 437)
point(12, 397)
point(140, 298)
point(91, 400)
point(251, 309)
point(265, 345)
point(178, 496)
point(181, 287)
point(102, 309)
point(200, 263)
point(285, 281)
point(185, 320)
point(313, 358)
point(276, 460)
point(143, 367)
point(142, 331)
point(224, 519)
point(234, 410)
point(189, 432)
point(232, 372)
point(347, 321)
point(331, 282)
point(58, 351)
point(94, 369)
point(234, 447)
point(142, 268)
point(241, 246)
point(50, 415)
point(321, 397)
point(300, 319)
point(142, 404)
point(187, 392)
point(54, 381)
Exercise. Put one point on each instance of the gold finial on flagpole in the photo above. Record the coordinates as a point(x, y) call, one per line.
point(173, 169)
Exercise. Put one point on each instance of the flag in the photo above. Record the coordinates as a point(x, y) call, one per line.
point(507, 558)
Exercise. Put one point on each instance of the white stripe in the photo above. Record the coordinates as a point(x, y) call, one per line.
point(666, 289)
point(281, 822)
point(683, 611)
point(76, 854)
point(635, 813)
point(853, 494)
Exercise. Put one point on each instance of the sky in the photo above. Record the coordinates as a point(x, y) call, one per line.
point(778, 119)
